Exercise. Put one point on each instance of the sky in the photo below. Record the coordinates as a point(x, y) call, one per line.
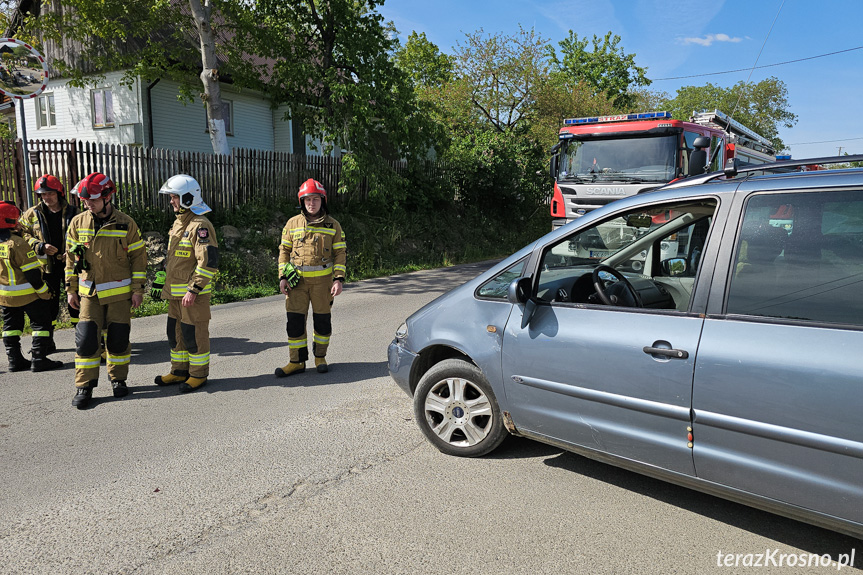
point(673, 38)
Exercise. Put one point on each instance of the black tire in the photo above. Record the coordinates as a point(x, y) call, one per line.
point(457, 411)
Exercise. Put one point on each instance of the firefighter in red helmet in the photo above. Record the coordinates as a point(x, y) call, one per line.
point(106, 270)
point(44, 227)
point(311, 270)
point(22, 291)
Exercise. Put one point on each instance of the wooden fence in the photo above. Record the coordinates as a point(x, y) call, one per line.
point(227, 181)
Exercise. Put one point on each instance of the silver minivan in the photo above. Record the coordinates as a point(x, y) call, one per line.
point(705, 333)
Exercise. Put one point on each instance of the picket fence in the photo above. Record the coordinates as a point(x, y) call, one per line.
point(227, 181)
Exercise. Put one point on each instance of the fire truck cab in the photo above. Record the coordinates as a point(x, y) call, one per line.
point(601, 159)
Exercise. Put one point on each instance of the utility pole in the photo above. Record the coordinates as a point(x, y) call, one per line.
point(840, 150)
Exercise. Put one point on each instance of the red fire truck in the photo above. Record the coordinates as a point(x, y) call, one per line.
point(601, 159)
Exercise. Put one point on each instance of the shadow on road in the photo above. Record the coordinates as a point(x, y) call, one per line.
point(152, 352)
point(793, 533)
point(339, 373)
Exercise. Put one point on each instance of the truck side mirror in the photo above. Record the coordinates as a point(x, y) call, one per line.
point(553, 167)
point(697, 162)
point(701, 142)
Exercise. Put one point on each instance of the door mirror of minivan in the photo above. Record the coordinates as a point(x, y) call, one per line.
point(518, 291)
point(673, 267)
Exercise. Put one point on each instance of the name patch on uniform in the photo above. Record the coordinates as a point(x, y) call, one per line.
point(182, 253)
point(4, 251)
point(203, 233)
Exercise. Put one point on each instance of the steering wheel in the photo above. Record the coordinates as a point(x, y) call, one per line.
point(599, 286)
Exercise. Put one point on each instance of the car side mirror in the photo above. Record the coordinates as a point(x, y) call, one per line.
point(673, 267)
point(518, 291)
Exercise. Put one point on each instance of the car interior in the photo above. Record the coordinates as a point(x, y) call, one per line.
point(636, 259)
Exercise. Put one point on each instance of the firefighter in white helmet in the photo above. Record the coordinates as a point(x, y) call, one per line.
point(311, 270)
point(193, 259)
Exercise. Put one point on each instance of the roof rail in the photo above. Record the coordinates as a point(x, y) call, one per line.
point(735, 167)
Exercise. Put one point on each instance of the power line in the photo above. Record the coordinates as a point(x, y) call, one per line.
point(757, 67)
point(824, 142)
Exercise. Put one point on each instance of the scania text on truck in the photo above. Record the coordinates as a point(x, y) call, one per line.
point(601, 159)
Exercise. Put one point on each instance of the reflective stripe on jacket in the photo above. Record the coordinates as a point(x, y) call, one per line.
point(34, 229)
point(193, 256)
point(315, 249)
point(115, 254)
point(16, 258)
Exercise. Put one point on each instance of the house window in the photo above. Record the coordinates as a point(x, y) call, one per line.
point(227, 114)
point(45, 116)
point(103, 108)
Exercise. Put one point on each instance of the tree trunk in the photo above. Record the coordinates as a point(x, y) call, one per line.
point(212, 95)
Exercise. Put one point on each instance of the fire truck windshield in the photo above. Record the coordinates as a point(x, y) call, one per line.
point(624, 159)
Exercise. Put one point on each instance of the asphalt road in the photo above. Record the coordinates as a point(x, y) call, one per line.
point(328, 473)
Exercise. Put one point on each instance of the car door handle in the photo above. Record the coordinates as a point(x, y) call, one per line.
point(672, 353)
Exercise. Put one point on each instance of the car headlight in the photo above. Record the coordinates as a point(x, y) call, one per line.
point(402, 331)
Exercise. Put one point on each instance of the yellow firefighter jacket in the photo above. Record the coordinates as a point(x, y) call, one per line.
point(316, 249)
point(34, 229)
point(193, 256)
point(115, 255)
point(20, 276)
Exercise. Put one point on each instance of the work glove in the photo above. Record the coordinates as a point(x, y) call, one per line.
point(289, 272)
point(158, 284)
point(81, 262)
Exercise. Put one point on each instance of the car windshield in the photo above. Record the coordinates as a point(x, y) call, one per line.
point(630, 159)
point(597, 243)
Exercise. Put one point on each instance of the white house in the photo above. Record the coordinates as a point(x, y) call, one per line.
point(150, 114)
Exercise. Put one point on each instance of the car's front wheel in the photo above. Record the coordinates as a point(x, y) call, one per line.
point(456, 410)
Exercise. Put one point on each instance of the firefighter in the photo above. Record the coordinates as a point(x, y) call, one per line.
point(193, 259)
point(106, 265)
point(311, 270)
point(44, 227)
point(22, 291)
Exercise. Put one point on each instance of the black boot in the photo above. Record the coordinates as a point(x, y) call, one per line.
point(120, 389)
point(83, 395)
point(17, 361)
point(42, 363)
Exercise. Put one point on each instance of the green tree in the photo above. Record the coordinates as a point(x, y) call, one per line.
point(331, 62)
point(605, 67)
point(149, 39)
point(423, 62)
point(499, 75)
point(762, 106)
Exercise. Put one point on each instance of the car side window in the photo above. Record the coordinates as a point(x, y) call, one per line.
point(496, 287)
point(657, 247)
point(799, 256)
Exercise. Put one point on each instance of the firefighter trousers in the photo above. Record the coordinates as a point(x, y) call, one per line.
point(317, 292)
point(40, 324)
point(115, 319)
point(55, 284)
point(188, 333)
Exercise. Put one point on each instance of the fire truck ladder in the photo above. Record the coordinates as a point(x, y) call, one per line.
point(745, 136)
